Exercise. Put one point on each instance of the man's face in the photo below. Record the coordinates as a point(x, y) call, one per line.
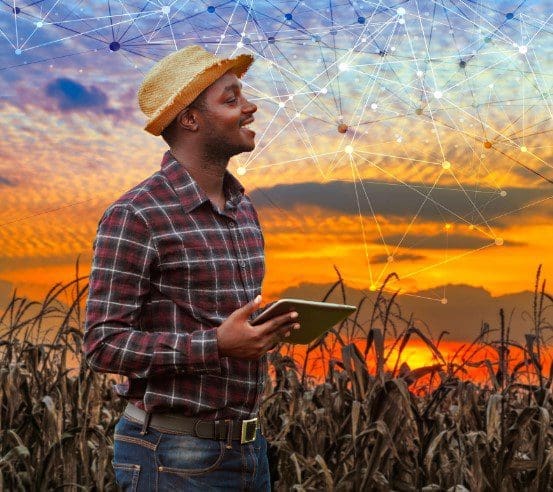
point(223, 116)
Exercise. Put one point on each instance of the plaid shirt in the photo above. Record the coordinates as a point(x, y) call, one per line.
point(168, 269)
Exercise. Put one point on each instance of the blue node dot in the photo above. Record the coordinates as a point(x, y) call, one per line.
point(271, 39)
point(288, 16)
point(211, 9)
point(361, 20)
point(333, 32)
point(247, 41)
point(16, 10)
point(487, 40)
point(114, 46)
point(317, 38)
point(509, 16)
point(17, 51)
point(462, 63)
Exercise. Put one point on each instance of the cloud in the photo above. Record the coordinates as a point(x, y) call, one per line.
point(398, 200)
point(443, 241)
point(397, 258)
point(73, 96)
point(6, 182)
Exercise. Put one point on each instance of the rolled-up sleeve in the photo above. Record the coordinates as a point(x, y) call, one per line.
point(119, 284)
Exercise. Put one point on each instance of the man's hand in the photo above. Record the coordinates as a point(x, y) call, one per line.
point(236, 337)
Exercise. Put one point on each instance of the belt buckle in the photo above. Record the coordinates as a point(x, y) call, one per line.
point(248, 430)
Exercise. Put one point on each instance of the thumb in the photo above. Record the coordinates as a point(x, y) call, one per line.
point(252, 306)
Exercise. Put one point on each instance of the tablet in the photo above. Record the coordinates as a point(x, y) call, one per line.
point(314, 317)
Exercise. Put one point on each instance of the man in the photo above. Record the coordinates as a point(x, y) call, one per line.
point(176, 278)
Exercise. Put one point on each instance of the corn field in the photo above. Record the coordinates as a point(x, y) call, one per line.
point(367, 422)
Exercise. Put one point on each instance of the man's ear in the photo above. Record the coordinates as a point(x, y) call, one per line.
point(188, 119)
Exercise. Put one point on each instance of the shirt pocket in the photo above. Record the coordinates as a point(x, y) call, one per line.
point(189, 277)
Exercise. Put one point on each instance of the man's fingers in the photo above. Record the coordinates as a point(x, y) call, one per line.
point(282, 334)
point(277, 322)
point(288, 330)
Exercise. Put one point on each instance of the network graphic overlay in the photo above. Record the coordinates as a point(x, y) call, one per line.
point(426, 122)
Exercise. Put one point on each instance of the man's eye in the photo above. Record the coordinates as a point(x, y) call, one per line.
point(231, 100)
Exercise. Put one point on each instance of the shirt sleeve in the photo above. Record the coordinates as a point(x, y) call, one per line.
point(124, 254)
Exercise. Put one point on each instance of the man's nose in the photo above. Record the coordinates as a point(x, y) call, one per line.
point(249, 107)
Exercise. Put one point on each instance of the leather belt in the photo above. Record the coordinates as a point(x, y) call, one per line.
point(242, 430)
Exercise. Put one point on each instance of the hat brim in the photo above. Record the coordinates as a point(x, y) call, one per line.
point(190, 91)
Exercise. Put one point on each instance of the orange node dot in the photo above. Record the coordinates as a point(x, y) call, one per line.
point(487, 145)
point(448, 226)
point(342, 128)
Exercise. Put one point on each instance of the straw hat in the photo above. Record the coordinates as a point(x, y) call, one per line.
point(179, 78)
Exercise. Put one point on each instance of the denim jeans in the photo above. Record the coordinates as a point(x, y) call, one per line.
point(159, 461)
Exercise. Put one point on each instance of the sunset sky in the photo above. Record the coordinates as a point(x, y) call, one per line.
point(442, 172)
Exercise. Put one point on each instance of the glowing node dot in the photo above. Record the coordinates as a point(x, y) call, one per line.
point(374, 106)
point(343, 67)
point(348, 149)
point(503, 193)
point(390, 259)
point(420, 73)
point(446, 164)
point(471, 227)
point(400, 11)
point(438, 94)
point(372, 287)
point(342, 128)
point(298, 115)
point(166, 9)
point(281, 104)
point(241, 170)
point(447, 227)
point(443, 300)
point(39, 24)
point(363, 40)
point(523, 49)
point(401, 20)
point(324, 90)
point(487, 145)
point(499, 241)
point(399, 139)
point(490, 86)
point(240, 44)
point(523, 148)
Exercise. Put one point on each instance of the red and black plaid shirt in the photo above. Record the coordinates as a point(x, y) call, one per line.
point(168, 269)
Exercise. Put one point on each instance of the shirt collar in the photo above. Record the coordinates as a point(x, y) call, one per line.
point(189, 192)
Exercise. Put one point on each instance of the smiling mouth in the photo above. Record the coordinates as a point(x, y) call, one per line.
point(247, 122)
point(244, 126)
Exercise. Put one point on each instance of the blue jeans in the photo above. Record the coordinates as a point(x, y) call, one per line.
point(159, 461)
